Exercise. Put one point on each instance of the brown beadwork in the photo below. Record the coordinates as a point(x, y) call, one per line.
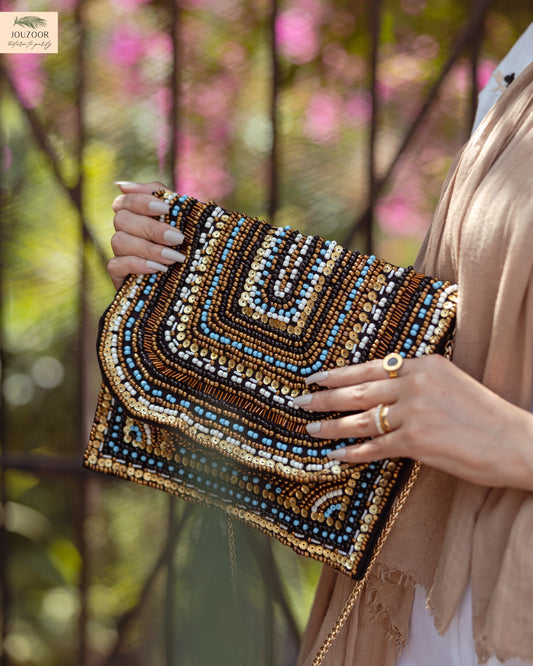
point(201, 365)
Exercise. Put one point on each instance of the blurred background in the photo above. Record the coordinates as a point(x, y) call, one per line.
point(339, 117)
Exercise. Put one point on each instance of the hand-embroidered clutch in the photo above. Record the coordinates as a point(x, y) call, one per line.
point(200, 365)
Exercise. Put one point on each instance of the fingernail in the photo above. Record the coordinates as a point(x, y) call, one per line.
point(156, 266)
point(159, 207)
point(314, 428)
point(337, 454)
point(124, 183)
point(172, 255)
point(173, 237)
point(316, 377)
point(304, 399)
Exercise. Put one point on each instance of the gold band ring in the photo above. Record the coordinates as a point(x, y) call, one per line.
point(381, 418)
point(384, 419)
point(392, 364)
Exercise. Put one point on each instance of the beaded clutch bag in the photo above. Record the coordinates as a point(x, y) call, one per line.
point(200, 365)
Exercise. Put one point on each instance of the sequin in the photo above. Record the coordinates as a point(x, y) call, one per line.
point(208, 357)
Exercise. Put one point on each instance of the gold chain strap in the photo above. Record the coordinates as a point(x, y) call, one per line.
point(232, 556)
point(348, 606)
point(354, 595)
point(233, 562)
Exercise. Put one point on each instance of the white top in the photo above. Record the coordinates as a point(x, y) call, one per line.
point(425, 646)
point(514, 63)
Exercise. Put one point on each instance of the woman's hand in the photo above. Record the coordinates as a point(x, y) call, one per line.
point(438, 415)
point(141, 243)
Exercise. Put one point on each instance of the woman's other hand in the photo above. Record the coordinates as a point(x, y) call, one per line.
point(141, 243)
point(437, 414)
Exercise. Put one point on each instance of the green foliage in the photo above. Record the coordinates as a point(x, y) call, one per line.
point(63, 146)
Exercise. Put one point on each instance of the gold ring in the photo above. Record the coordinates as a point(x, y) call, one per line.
point(384, 419)
point(392, 364)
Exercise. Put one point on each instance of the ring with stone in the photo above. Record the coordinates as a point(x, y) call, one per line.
point(392, 364)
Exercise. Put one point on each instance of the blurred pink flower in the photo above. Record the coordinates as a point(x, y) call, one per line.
point(399, 215)
point(159, 45)
point(384, 91)
point(28, 77)
point(297, 35)
point(163, 100)
point(343, 66)
point(130, 4)
point(219, 133)
point(126, 47)
point(202, 171)
point(425, 47)
point(484, 71)
point(65, 4)
point(213, 99)
point(459, 81)
point(211, 183)
point(459, 78)
point(323, 117)
point(358, 108)
point(234, 57)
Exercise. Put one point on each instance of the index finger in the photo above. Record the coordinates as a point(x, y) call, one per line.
point(140, 204)
point(128, 187)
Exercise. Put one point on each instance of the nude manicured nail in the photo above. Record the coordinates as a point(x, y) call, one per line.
point(159, 207)
point(173, 255)
point(156, 266)
point(304, 399)
point(314, 428)
point(124, 183)
point(316, 377)
point(338, 454)
point(173, 237)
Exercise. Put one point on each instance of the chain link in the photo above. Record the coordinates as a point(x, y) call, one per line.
point(354, 595)
point(232, 556)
